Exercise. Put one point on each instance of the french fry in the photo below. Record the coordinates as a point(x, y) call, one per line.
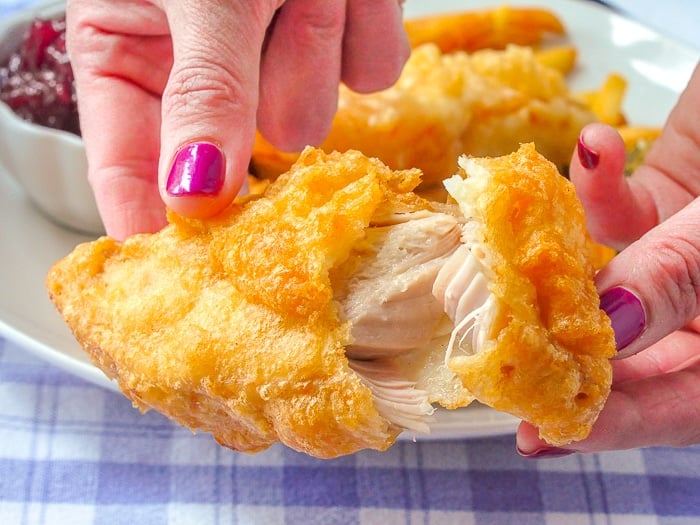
point(633, 135)
point(257, 185)
point(267, 162)
point(606, 102)
point(561, 58)
point(493, 28)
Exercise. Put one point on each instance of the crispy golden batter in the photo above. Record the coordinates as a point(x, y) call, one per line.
point(236, 325)
point(229, 326)
point(445, 105)
point(546, 359)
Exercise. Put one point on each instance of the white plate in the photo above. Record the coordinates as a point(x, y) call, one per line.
point(657, 70)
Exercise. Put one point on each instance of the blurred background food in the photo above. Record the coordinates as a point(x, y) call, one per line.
point(484, 103)
point(483, 29)
point(480, 83)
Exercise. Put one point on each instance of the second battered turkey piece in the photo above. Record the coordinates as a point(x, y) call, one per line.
point(447, 104)
point(337, 309)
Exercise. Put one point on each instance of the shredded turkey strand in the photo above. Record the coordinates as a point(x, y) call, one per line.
point(417, 284)
point(389, 300)
point(462, 288)
point(395, 398)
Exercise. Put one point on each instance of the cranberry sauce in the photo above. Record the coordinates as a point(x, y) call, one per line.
point(37, 79)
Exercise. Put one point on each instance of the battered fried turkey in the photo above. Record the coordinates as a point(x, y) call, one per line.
point(335, 310)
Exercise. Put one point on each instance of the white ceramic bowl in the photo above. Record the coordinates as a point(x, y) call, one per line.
point(49, 164)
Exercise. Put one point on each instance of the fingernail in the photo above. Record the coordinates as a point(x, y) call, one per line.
point(589, 159)
point(626, 314)
point(546, 452)
point(198, 169)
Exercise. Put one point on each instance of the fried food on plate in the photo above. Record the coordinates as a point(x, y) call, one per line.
point(561, 58)
point(638, 141)
point(482, 29)
point(335, 310)
point(444, 105)
point(606, 101)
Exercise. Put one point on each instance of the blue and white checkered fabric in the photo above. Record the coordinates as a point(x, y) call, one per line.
point(74, 453)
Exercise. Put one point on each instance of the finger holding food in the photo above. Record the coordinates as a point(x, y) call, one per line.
point(338, 308)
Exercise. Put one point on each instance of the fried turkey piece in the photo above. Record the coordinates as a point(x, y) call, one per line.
point(539, 346)
point(335, 310)
point(232, 326)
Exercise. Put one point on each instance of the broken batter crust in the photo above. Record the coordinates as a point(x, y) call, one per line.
point(318, 314)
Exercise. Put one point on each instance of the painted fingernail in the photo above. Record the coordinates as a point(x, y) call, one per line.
point(198, 169)
point(587, 157)
point(626, 314)
point(546, 452)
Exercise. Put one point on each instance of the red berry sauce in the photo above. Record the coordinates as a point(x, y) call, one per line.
point(37, 79)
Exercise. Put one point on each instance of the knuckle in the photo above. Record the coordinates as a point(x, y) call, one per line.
point(315, 24)
point(85, 44)
point(679, 262)
point(203, 88)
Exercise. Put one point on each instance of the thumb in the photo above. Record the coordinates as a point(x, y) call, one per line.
point(209, 103)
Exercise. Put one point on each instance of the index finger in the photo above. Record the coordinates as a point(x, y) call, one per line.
point(119, 106)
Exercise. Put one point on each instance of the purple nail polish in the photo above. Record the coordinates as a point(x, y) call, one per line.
point(547, 452)
point(626, 314)
point(587, 157)
point(198, 169)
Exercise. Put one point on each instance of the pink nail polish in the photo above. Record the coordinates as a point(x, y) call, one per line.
point(588, 158)
point(198, 169)
point(626, 314)
point(546, 452)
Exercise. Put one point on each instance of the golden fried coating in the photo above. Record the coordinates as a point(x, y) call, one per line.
point(229, 326)
point(295, 316)
point(546, 358)
point(445, 105)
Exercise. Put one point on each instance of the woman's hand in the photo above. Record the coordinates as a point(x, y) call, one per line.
point(170, 92)
point(651, 290)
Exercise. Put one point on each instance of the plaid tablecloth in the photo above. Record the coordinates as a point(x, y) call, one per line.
point(74, 453)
